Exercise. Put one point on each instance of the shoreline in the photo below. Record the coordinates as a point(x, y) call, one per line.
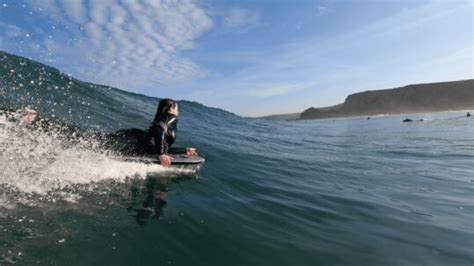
point(364, 117)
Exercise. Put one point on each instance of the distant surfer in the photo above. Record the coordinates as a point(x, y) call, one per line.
point(30, 115)
point(27, 116)
point(468, 114)
point(407, 120)
point(163, 130)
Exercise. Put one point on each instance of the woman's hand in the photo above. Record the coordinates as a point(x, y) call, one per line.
point(191, 151)
point(165, 160)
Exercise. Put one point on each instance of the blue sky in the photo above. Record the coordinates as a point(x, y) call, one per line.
point(249, 57)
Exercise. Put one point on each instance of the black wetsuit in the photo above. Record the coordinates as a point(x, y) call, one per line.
point(162, 135)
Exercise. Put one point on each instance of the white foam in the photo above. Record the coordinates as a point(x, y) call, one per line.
point(5, 204)
point(35, 161)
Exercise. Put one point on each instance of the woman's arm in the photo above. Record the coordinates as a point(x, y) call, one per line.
point(158, 133)
point(160, 145)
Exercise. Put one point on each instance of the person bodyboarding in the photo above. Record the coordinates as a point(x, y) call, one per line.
point(163, 132)
point(158, 140)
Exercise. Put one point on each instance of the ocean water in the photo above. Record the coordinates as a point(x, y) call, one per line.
point(324, 192)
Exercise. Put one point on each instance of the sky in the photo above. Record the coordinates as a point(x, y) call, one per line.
point(252, 58)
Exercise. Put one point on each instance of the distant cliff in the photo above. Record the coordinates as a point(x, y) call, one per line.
point(290, 116)
point(432, 97)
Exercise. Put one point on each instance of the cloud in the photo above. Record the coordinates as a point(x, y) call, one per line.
point(11, 31)
point(272, 90)
point(239, 17)
point(75, 10)
point(321, 10)
point(125, 43)
point(49, 7)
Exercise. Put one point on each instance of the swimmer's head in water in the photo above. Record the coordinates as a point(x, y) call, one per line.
point(29, 115)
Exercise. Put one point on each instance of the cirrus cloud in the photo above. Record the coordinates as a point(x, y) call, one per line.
point(238, 17)
point(125, 43)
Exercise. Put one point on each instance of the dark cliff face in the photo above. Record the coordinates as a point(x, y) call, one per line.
point(433, 97)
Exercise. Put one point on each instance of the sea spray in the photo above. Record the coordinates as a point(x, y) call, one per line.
point(45, 162)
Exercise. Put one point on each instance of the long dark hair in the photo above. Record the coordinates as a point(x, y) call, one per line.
point(163, 107)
